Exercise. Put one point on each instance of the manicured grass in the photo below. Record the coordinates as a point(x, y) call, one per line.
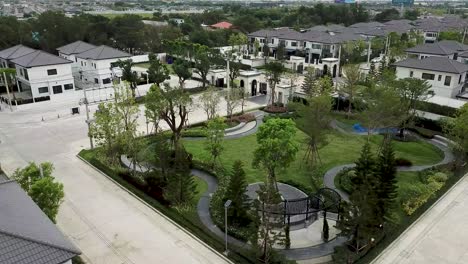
point(341, 149)
point(202, 187)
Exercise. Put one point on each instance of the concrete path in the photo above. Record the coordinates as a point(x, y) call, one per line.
point(107, 223)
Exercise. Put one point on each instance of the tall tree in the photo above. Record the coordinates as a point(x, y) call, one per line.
point(105, 129)
point(238, 211)
point(128, 74)
point(172, 104)
point(209, 101)
point(277, 147)
point(128, 32)
point(38, 182)
point(274, 71)
point(204, 58)
point(352, 77)
point(387, 182)
point(157, 71)
point(457, 129)
point(214, 138)
point(183, 71)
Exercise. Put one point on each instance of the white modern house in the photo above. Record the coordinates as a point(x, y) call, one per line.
point(92, 66)
point(447, 77)
point(12, 53)
point(44, 75)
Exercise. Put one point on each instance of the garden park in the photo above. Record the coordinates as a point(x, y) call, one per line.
point(327, 176)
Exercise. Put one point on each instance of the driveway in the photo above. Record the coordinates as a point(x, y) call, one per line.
point(105, 222)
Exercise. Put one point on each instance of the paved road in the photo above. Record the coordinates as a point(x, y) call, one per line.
point(438, 236)
point(105, 222)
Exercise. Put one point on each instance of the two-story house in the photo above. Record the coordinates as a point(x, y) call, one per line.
point(44, 74)
point(446, 48)
point(95, 66)
point(12, 53)
point(447, 77)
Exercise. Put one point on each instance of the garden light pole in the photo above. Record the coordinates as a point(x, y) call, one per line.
point(226, 206)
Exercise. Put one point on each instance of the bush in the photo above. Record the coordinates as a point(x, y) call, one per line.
point(403, 162)
point(195, 132)
point(437, 109)
point(438, 177)
point(244, 118)
point(306, 189)
point(414, 196)
point(424, 132)
point(344, 180)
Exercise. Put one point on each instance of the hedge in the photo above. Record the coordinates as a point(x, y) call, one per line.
point(237, 255)
point(436, 109)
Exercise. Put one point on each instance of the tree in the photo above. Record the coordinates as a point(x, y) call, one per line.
point(180, 185)
point(214, 138)
point(325, 230)
point(105, 129)
point(39, 184)
point(157, 71)
point(172, 105)
point(233, 99)
point(457, 129)
point(182, 70)
point(387, 15)
point(274, 71)
point(281, 52)
point(204, 58)
point(238, 211)
point(256, 48)
point(128, 74)
point(309, 81)
point(411, 14)
point(210, 101)
point(128, 32)
point(411, 92)
point(387, 182)
point(314, 120)
point(277, 147)
point(352, 76)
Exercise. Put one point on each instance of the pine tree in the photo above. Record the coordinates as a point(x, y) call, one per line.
point(309, 81)
point(236, 193)
point(386, 172)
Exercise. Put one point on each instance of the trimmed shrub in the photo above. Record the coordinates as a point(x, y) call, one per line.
point(424, 132)
point(244, 118)
point(403, 162)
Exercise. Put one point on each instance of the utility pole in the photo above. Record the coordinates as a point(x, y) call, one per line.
point(8, 91)
point(88, 122)
point(368, 51)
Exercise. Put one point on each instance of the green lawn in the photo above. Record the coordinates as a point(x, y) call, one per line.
point(202, 186)
point(342, 149)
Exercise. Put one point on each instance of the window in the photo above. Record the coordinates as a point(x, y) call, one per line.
point(316, 46)
point(459, 79)
point(94, 65)
point(81, 63)
point(68, 86)
point(448, 80)
point(76, 59)
point(52, 72)
point(21, 72)
point(106, 81)
point(439, 78)
point(428, 76)
point(57, 89)
point(96, 80)
point(43, 89)
point(411, 73)
point(272, 41)
point(26, 76)
point(294, 44)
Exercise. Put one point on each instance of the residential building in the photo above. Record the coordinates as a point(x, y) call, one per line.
point(70, 51)
point(94, 66)
point(12, 53)
point(447, 77)
point(43, 76)
point(221, 25)
point(446, 48)
point(27, 235)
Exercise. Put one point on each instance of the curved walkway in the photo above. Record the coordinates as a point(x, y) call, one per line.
point(330, 175)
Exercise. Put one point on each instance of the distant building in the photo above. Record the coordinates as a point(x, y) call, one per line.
point(403, 2)
point(345, 1)
point(221, 25)
point(26, 234)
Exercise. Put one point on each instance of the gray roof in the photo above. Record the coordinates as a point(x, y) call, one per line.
point(15, 52)
point(75, 47)
point(445, 47)
point(439, 64)
point(39, 58)
point(27, 235)
point(103, 52)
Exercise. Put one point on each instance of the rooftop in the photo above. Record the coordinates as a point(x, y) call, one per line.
point(438, 64)
point(27, 236)
point(445, 47)
point(15, 52)
point(103, 52)
point(222, 25)
point(39, 58)
point(75, 47)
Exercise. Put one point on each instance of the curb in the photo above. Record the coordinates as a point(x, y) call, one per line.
point(158, 212)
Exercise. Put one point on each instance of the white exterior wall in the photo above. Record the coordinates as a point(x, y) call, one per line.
point(38, 78)
point(437, 86)
point(89, 70)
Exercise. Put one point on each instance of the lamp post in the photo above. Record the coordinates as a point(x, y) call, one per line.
point(226, 206)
